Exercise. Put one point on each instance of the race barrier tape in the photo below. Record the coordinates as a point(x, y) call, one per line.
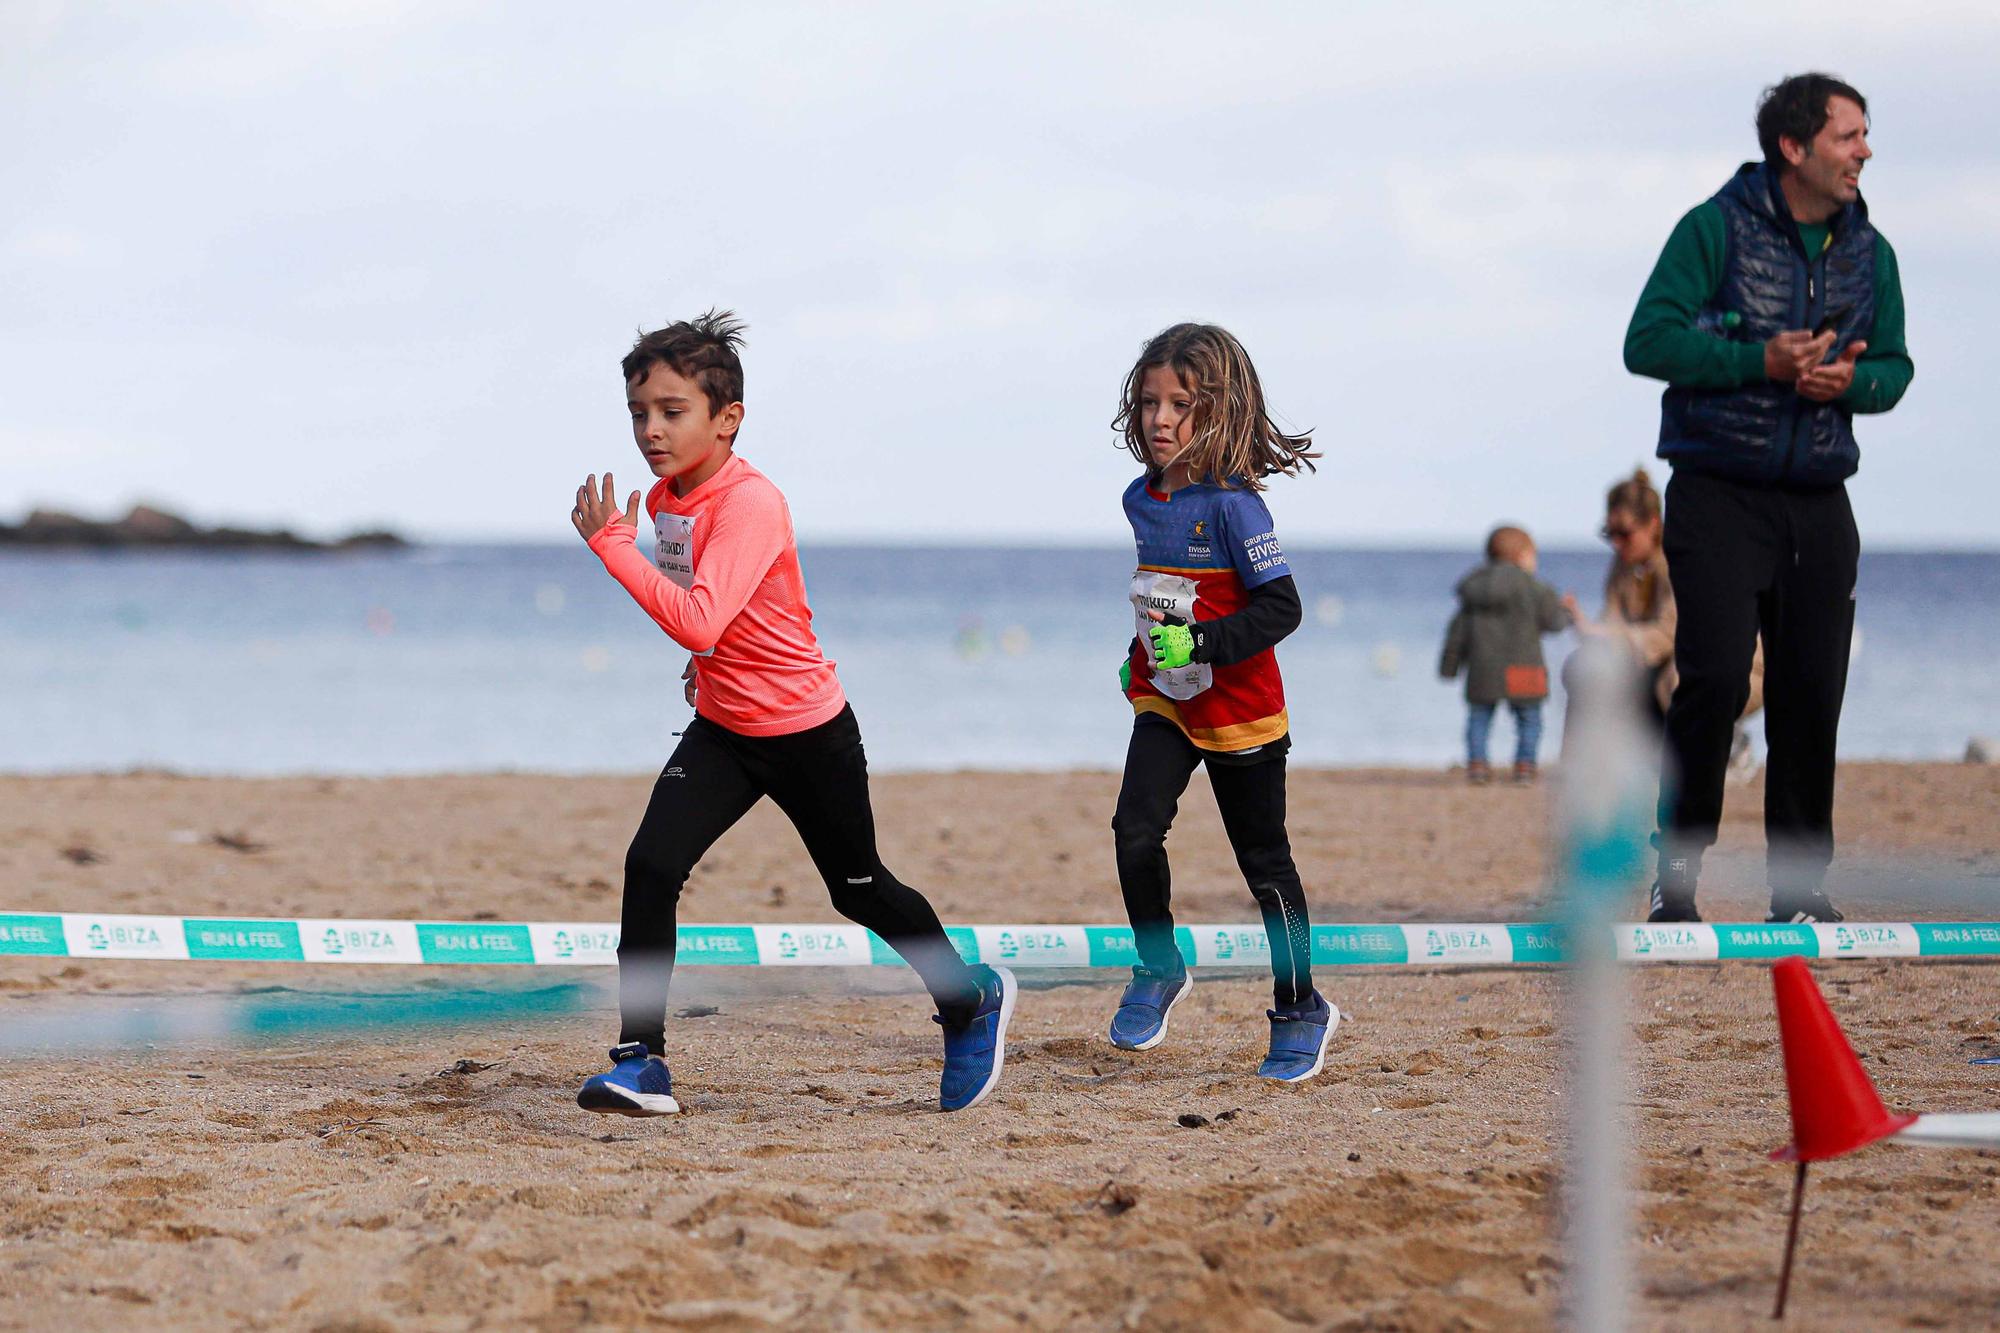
point(595, 943)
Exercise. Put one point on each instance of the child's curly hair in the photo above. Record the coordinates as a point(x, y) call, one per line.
point(1232, 435)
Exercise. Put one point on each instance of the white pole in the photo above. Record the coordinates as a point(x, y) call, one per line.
point(1610, 776)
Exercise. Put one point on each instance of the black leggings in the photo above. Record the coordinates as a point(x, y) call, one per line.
point(819, 778)
point(1251, 798)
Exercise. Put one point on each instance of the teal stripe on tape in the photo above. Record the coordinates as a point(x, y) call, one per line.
point(1536, 944)
point(479, 942)
point(1958, 938)
point(1349, 946)
point(1111, 946)
point(587, 943)
point(734, 946)
point(21, 932)
point(1766, 942)
point(264, 941)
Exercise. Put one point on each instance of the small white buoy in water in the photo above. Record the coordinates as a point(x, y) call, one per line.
point(1330, 610)
point(549, 599)
point(1387, 659)
point(1015, 641)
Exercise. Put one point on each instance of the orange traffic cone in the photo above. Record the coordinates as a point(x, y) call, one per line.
point(1835, 1108)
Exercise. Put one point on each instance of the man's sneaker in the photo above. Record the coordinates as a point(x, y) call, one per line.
point(1141, 1021)
point(638, 1084)
point(1478, 772)
point(974, 1054)
point(1525, 772)
point(1670, 906)
point(1298, 1041)
point(1803, 909)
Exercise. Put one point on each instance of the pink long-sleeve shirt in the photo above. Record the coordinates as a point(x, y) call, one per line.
point(725, 584)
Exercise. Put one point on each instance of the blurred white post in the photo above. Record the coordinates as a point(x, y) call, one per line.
point(1610, 781)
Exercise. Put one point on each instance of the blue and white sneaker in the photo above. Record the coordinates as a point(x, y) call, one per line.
point(1299, 1039)
point(1141, 1021)
point(639, 1084)
point(974, 1054)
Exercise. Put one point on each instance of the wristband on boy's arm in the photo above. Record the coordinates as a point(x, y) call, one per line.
point(1272, 613)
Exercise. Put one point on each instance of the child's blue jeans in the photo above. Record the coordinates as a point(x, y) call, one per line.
point(1527, 730)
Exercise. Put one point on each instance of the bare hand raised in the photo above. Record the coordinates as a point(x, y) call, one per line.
point(1793, 353)
point(1823, 384)
point(593, 511)
point(1582, 623)
point(688, 689)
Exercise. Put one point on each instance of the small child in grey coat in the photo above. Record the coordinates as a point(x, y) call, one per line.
point(1496, 639)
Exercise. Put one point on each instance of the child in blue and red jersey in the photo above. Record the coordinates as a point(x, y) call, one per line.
point(1212, 595)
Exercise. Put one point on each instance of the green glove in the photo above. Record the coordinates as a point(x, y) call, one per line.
point(1173, 645)
point(1125, 675)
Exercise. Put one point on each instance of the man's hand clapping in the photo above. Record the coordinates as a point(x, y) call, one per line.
point(1792, 354)
point(1823, 384)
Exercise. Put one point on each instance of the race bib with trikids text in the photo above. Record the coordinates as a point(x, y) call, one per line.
point(673, 551)
point(1172, 595)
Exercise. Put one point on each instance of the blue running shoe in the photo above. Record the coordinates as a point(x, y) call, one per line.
point(1298, 1041)
point(973, 1054)
point(638, 1085)
point(1141, 1021)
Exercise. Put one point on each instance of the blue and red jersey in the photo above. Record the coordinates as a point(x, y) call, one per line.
point(1201, 550)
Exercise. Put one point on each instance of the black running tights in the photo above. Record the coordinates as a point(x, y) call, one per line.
point(819, 778)
point(1251, 798)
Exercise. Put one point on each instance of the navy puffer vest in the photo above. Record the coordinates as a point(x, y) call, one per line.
point(1766, 432)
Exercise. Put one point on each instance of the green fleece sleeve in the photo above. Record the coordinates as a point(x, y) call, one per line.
point(1662, 341)
point(1885, 370)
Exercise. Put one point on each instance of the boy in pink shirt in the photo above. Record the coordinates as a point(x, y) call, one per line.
point(771, 720)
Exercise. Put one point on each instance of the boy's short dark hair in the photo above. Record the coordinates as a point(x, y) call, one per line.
point(702, 349)
point(1795, 108)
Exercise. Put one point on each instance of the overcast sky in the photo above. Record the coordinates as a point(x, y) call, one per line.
point(341, 263)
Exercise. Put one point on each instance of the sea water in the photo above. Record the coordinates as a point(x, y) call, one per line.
point(487, 658)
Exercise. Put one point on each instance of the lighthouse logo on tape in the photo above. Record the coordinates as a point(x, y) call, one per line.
point(578, 942)
point(124, 936)
point(1868, 941)
point(1668, 942)
point(1032, 946)
point(1230, 946)
point(324, 941)
point(1461, 944)
point(140, 939)
point(811, 946)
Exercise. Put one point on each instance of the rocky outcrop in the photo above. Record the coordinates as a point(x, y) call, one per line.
point(146, 526)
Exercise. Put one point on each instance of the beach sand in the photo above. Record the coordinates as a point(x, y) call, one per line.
point(372, 1181)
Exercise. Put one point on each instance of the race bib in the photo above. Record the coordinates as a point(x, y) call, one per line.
point(673, 551)
point(1172, 595)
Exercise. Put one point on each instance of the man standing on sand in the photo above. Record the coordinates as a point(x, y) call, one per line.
point(1774, 315)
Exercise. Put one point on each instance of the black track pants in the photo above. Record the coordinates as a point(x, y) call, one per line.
point(1746, 558)
point(819, 778)
point(1251, 798)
